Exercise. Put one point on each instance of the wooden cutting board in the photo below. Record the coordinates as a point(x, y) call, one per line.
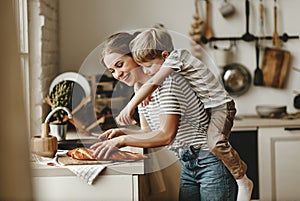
point(275, 66)
point(66, 160)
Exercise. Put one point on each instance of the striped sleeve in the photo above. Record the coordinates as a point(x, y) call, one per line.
point(200, 77)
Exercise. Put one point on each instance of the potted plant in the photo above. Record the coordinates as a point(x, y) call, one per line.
point(61, 96)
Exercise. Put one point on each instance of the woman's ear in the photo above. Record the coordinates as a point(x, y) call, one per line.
point(165, 54)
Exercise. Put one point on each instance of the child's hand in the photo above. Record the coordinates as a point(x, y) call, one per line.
point(124, 118)
point(146, 101)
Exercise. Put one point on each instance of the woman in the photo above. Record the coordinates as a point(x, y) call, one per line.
point(175, 118)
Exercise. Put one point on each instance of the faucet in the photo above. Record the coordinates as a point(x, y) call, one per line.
point(47, 145)
point(56, 109)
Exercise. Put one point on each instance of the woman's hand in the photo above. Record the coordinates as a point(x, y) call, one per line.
point(111, 133)
point(102, 150)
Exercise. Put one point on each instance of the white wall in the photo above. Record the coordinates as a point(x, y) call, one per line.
point(85, 24)
point(44, 54)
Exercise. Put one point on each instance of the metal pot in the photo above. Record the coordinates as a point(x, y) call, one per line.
point(236, 79)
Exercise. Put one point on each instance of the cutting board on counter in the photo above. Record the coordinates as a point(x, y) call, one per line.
point(67, 160)
point(275, 66)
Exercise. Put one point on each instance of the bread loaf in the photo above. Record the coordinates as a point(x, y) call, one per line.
point(83, 153)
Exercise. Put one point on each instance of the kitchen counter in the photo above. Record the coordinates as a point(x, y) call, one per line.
point(125, 168)
point(244, 139)
point(124, 178)
point(252, 122)
point(136, 167)
point(246, 122)
point(118, 181)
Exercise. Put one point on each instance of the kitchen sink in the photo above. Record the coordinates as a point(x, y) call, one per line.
point(75, 143)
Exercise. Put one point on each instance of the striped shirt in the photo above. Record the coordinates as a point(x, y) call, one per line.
point(208, 88)
point(175, 96)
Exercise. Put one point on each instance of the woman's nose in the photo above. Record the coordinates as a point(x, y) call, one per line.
point(118, 75)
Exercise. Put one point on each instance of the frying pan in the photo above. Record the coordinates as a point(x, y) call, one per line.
point(236, 79)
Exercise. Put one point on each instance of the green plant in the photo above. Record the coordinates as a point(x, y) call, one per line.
point(61, 95)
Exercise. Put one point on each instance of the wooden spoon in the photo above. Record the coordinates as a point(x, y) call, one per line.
point(208, 30)
point(276, 39)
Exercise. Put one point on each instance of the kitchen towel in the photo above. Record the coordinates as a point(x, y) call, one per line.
point(87, 173)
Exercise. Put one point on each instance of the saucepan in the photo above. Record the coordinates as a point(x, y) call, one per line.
point(236, 79)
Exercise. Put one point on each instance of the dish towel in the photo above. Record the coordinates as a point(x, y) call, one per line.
point(87, 173)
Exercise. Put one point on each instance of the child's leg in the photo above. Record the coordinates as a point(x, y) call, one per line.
point(221, 122)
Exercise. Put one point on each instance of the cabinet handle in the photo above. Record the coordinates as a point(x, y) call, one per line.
point(292, 129)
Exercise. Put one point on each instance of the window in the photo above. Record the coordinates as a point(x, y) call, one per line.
point(22, 23)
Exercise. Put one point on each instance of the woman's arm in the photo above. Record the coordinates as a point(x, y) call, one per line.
point(116, 132)
point(124, 118)
point(164, 136)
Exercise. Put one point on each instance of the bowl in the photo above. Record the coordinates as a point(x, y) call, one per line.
point(270, 111)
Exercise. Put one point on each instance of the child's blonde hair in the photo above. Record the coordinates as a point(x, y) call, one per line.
point(150, 43)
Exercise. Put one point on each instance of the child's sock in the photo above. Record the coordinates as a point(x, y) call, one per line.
point(245, 186)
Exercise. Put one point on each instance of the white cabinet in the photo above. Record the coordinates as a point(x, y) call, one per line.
point(72, 188)
point(279, 163)
point(127, 181)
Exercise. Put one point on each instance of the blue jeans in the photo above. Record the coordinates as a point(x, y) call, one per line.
point(204, 177)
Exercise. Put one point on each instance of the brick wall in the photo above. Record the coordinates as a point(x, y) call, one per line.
point(44, 56)
point(50, 42)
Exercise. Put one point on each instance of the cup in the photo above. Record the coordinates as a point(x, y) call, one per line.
point(227, 9)
point(59, 131)
point(222, 56)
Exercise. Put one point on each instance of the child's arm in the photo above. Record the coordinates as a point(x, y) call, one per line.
point(146, 90)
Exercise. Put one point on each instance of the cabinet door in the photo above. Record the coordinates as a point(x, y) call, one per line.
point(279, 163)
point(245, 143)
point(72, 188)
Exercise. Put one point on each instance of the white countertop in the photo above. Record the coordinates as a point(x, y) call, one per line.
point(136, 167)
point(117, 168)
point(253, 122)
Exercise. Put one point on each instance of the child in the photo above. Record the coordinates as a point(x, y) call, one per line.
point(153, 49)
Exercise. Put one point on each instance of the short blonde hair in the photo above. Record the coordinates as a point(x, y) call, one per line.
point(150, 43)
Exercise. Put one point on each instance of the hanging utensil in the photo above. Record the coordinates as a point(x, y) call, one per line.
point(236, 79)
point(261, 25)
point(226, 9)
point(258, 74)
point(208, 30)
point(247, 36)
point(275, 67)
point(276, 39)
